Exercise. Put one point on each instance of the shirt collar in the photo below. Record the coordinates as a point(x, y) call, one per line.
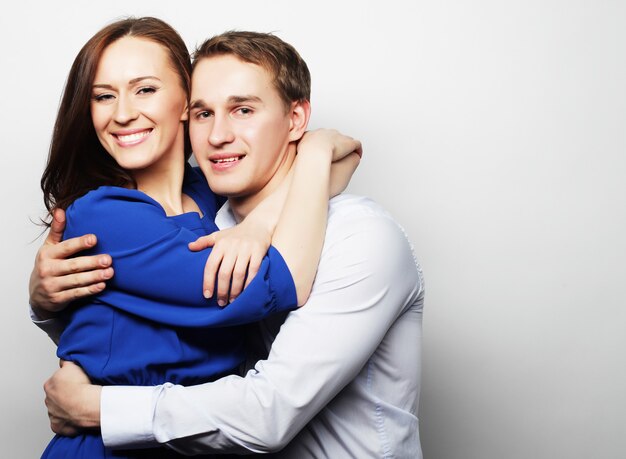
point(225, 218)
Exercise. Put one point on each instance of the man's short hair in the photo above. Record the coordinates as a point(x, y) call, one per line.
point(289, 72)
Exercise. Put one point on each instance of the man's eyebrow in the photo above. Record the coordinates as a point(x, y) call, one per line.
point(130, 82)
point(198, 103)
point(243, 99)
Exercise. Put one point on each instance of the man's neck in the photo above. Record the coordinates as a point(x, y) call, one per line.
point(241, 206)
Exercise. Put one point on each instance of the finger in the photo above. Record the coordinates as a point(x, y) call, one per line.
point(56, 227)
point(202, 243)
point(63, 298)
point(358, 149)
point(253, 266)
point(224, 277)
point(351, 146)
point(61, 290)
point(81, 279)
point(98, 266)
point(353, 158)
point(210, 272)
point(72, 246)
point(239, 275)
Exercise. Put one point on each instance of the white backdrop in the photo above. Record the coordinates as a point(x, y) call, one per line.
point(495, 132)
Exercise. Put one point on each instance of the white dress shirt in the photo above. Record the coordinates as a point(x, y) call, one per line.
point(342, 376)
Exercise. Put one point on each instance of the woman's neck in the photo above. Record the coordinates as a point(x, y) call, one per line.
point(164, 185)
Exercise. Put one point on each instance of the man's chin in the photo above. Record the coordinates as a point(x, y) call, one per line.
point(227, 191)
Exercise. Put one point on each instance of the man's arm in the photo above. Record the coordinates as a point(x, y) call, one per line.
point(366, 277)
point(57, 278)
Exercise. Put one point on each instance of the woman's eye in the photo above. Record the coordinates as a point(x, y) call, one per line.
point(146, 90)
point(102, 97)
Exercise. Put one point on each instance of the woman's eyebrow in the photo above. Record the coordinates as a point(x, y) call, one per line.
point(130, 82)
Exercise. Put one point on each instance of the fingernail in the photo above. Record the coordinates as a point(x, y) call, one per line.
point(107, 273)
point(207, 294)
point(91, 240)
point(105, 261)
point(222, 303)
point(232, 299)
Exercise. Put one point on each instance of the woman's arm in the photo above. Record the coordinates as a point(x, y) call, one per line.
point(308, 202)
point(157, 277)
point(300, 231)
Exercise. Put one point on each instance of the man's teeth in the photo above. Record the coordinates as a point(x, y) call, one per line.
point(133, 137)
point(226, 160)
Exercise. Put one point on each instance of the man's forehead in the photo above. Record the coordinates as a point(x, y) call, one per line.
point(227, 63)
point(227, 79)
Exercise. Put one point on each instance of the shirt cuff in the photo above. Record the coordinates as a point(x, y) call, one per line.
point(52, 327)
point(126, 415)
point(281, 282)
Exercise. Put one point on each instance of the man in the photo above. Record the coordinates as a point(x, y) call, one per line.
point(342, 376)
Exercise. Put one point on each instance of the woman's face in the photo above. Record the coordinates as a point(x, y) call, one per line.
point(138, 105)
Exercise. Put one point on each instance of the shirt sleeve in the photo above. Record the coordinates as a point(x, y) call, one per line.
point(366, 278)
point(52, 327)
point(156, 275)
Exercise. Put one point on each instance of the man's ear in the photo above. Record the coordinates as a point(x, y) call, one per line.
point(299, 114)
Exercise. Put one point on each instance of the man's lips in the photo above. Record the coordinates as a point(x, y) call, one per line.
point(225, 158)
point(224, 161)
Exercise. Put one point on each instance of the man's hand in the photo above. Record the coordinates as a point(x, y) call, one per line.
point(56, 280)
point(73, 402)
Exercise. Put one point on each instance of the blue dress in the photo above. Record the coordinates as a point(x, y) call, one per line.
point(151, 324)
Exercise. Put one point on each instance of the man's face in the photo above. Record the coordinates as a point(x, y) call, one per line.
point(239, 126)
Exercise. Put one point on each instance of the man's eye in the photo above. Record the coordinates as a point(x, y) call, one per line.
point(244, 111)
point(203, 115)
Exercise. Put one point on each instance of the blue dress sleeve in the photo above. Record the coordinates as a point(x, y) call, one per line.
point(156, 276)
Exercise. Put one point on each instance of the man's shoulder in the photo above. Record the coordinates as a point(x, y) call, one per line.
point(363, 241)
point(352, 213)
point(351, 206)
point(359, 218)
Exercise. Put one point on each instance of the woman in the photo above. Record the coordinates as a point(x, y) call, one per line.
point(121, 173)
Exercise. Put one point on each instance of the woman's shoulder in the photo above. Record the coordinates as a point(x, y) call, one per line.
point(110, 208)
point(111, 198)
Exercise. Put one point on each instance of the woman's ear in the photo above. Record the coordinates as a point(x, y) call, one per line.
point(185, 115)
point(299, 114)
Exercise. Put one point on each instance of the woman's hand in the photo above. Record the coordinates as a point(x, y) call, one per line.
point(341, 172)
point(235, 259)
point(331, 140)
point(346, 155)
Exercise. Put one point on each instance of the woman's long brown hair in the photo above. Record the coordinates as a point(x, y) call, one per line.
point(77, 162)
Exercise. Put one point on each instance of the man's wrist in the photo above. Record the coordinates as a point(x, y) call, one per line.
point(41, 313)
point(89, 417)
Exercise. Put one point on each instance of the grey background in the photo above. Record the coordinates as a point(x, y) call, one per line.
point(494, 131)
